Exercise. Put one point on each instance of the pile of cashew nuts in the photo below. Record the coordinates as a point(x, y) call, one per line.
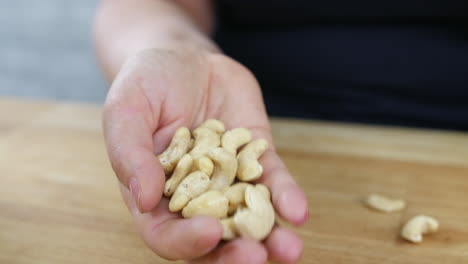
point(210, 175)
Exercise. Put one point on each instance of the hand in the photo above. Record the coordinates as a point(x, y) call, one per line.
point(157, 92)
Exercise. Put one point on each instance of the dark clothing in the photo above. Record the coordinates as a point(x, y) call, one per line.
point(387, 62)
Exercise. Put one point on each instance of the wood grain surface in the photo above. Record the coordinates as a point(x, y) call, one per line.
point(59, 201)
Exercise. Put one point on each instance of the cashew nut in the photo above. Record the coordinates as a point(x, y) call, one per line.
point(215, 125)
point(229, 229)
point(263, 190)
point(249, 167)
point(211, 203)
point(235, 138)
point(181, 170)
point(384, 204)
point(235, 195)
point(204, 164)
point(417, 226)
point(179, 145)
point(191, 143)
point(225, 168)
point(191, 187)
point(257, 220)
point(205, 140)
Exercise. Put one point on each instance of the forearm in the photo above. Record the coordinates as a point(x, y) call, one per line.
point(124, 27)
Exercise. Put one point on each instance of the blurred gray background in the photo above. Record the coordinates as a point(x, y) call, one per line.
point(46, 50)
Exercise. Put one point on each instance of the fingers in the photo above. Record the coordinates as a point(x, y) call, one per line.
point(288, 199)
point(234, 252)
point(278, 252)
point(243, 89)
point(179, 238)
point(172, 237)
point(184, 238)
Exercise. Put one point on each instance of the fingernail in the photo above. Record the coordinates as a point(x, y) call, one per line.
point(135, 190)
point(305, 218)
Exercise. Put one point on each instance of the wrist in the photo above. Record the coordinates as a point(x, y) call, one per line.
point(126, 48)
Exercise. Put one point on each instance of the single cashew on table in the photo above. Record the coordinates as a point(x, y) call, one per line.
point(213, 173)
point(417, 226)
point(384, 204)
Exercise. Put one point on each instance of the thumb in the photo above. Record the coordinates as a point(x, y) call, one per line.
point(129, 143)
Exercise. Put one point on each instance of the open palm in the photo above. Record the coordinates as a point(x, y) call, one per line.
point(157, 92)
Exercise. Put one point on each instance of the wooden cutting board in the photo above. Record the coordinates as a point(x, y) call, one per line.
point(59, 201)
